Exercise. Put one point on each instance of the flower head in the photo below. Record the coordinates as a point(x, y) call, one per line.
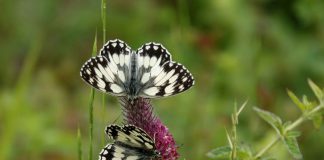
point(139, 112)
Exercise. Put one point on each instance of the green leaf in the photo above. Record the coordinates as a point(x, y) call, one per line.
point(317, 91)
point(317, 120)
point(220, 152)
point(271, 118)
point(295, 99)
point(244, 152)
point(309, 105)
point(229, 139)
point(224, 152)
point(292, 146)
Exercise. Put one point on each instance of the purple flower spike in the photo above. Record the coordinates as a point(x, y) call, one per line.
point(140, 113)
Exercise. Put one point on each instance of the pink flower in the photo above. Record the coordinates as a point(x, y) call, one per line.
point(140, 113)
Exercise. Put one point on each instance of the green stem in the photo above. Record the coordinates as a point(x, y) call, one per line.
point(91, 122)
point(304, 117)
point(94, 50)
point(234, 138)
point(268, 147)
point(292, 126)
point(103, 19)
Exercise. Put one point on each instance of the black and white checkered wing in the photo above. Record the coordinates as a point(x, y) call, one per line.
point(117, 152)
point(158, 75)
point(130, 142)
point(130, 135)
point(110, 71)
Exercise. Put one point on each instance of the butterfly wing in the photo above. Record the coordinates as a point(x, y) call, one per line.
point(110, 71)
point(158, 76)
point(130, 142)
point(154, 74)
point(118, 54)
point(117, 152)
point(131, 136)
point(173, 79)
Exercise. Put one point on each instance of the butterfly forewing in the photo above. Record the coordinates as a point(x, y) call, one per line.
point(149, 61)
point(158, 75)
point(150, 56)
point(118, 55)
point(130, 135)
point(110, 71)
point(174, 78)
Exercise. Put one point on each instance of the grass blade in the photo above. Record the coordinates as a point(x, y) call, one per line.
point(94, 51)
point(103, 19)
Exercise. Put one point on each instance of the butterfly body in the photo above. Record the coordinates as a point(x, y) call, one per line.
point(131, 143)
point(132, 87)
point(148, 72)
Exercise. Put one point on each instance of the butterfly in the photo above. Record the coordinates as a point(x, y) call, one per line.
point(147, 72)
point(130, 142)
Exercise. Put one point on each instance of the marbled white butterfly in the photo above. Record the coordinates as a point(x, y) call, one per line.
point(130, 142)
point(148, 72)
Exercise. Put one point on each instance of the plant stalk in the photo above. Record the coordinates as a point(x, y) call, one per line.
point(268, 147)
point(103, 99)
point(91, 122)
point(292, 126)
point(103, 19)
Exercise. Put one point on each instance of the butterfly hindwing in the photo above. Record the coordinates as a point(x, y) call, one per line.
point(116, 152)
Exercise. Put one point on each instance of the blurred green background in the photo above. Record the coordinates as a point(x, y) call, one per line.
point(236, 50)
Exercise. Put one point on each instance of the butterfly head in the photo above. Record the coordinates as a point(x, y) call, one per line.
point(132, 99)
point(157, 155)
